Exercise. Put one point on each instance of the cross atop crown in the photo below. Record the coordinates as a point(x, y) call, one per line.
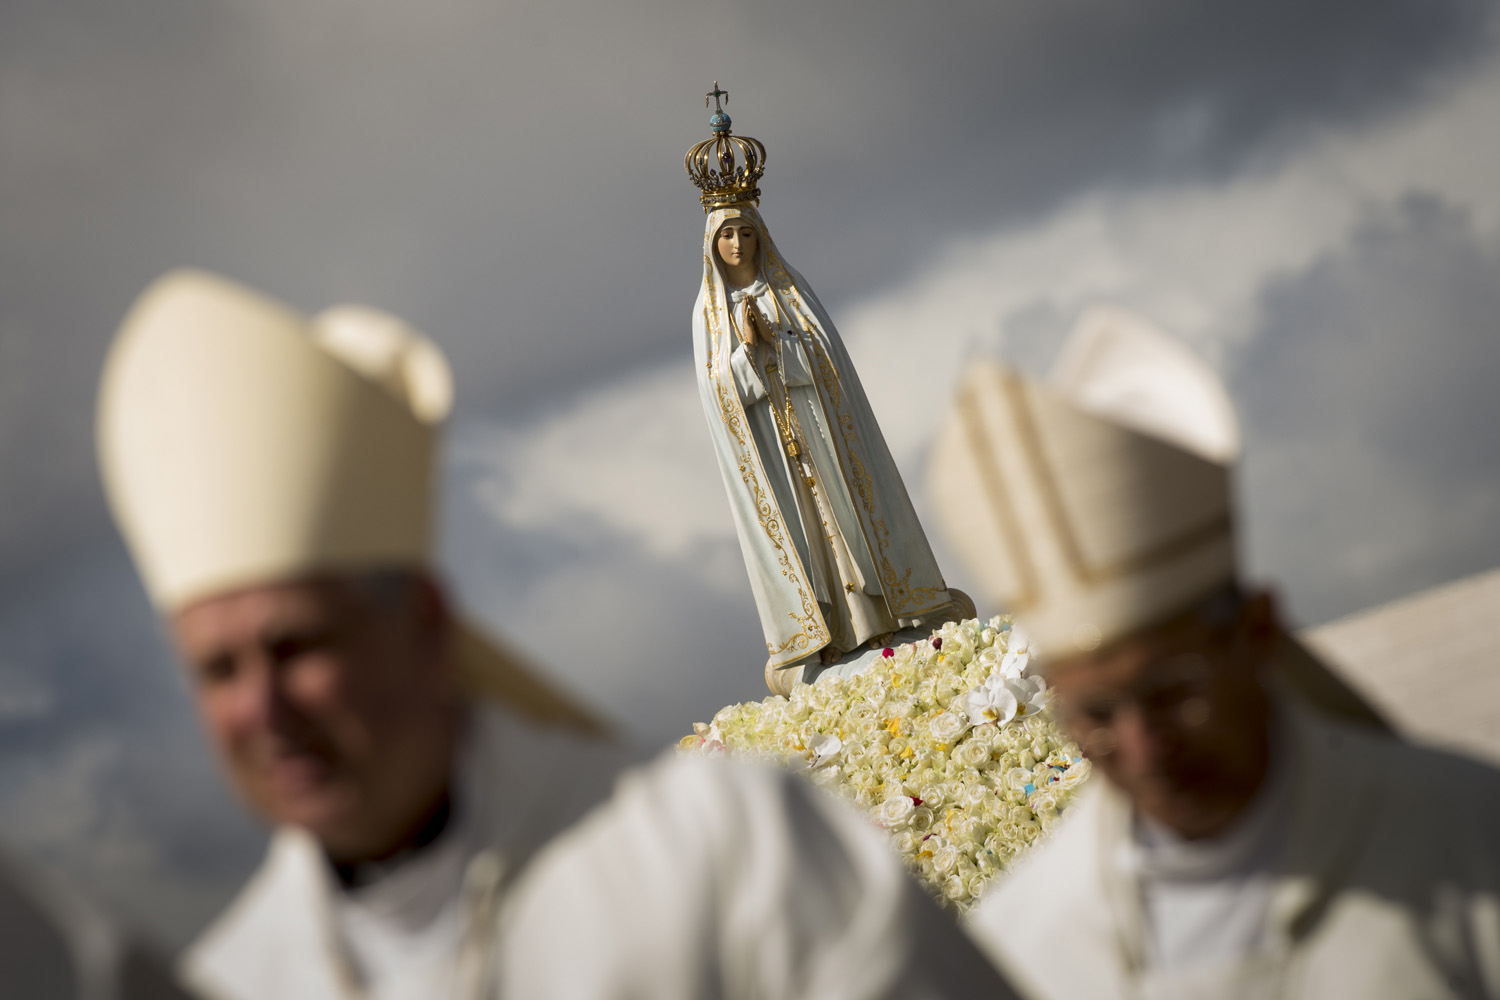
point(720, 121)
point(716, 93)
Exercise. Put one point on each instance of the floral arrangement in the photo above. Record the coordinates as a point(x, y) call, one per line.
point(946, 742)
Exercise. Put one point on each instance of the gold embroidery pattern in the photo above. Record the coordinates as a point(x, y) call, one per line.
point(810, 622)
point(711, 304)
point(901, 598)
point(826, 370)
point(812, 632)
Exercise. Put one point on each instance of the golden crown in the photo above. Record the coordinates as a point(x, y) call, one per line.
point(740, 160)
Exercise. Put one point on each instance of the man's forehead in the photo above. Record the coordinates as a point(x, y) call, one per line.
point(247, 611)
point(1128, 656)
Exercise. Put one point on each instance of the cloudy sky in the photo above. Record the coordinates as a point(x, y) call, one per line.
point(1305, 192)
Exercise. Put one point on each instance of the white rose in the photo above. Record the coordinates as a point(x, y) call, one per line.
point(1075, 775)
point(945, 858)
point(986, 734)
point(932, 796)
point(973, 753)
point(895, 812)
point(1038, 725)
point(976, 884)
point(905, 842)
point(948, 727)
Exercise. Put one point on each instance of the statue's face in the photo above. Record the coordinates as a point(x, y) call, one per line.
point(736, 242)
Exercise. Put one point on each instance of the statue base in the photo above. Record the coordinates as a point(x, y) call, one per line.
point(781, 680)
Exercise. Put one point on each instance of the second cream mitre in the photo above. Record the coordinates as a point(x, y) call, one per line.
point(241, 442)
point(1101, 502)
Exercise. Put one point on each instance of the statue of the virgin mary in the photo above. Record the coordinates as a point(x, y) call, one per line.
point(836, 555)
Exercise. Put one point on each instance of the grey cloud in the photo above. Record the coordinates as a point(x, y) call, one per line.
point(507, 177)
point(652, 643)
point(1370, 404)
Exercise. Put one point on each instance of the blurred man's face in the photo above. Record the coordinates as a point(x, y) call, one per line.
point(1176, 716)
point(329, 702)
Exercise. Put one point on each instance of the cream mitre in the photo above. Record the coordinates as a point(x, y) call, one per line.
point(241, 442)
point(1101, 503)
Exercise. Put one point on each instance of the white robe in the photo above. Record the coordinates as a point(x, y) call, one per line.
point(1386, 884)
point(886, 575)
point(695, 878)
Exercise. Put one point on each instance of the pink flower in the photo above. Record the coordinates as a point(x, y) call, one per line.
point(888, 652)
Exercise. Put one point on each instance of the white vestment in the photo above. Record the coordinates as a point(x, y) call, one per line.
point(1384, 882)
point(694, 878)
point(1207, 901)
point(833, 546)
